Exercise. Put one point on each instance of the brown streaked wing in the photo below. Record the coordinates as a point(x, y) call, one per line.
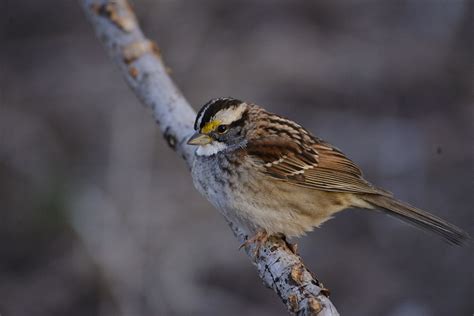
point(317, 165)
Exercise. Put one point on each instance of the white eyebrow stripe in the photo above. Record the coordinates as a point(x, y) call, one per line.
point(230, 115)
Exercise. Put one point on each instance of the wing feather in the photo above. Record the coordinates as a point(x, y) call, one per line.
point(310, 162)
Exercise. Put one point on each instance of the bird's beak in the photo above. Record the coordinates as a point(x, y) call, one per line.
point(199, 139)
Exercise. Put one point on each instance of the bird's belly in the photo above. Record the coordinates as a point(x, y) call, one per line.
point(290, 210)
point(270, 204)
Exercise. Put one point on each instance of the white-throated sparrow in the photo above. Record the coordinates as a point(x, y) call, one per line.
point(270, 175)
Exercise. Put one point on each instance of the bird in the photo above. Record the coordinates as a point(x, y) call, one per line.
point(271, 176)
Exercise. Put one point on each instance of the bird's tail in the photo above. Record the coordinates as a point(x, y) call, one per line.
point(418, 218)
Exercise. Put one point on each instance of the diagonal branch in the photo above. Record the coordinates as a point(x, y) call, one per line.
point(140, 62)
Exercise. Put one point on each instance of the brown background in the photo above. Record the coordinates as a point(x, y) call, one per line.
point(99, 217)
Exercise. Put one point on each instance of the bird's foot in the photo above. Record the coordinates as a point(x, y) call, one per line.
point(292, 247)
point(258, 240)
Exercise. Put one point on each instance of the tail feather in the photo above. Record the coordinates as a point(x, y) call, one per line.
point(419, 218)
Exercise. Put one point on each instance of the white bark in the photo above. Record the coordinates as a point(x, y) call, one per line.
point(139, 61)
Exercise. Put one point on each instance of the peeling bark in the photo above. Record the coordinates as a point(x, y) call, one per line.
point(140, 63)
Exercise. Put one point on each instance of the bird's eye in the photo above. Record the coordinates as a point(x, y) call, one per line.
point(221, 129)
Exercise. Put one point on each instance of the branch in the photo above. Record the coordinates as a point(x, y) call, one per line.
point(140, 62)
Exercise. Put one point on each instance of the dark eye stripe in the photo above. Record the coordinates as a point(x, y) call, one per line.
point(241, 120)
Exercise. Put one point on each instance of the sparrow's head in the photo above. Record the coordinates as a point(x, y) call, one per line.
point(220, 125)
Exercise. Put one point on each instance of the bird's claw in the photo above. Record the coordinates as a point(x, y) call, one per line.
point(258, 239)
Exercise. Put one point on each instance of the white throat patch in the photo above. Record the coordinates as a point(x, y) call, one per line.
point(210, 149)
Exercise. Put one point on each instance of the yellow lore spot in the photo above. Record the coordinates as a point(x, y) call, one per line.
point(210, 126)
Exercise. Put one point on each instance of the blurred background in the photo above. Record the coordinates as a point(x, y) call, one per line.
point(99, 217)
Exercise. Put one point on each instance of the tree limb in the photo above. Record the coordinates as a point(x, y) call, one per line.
point(140, 62)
